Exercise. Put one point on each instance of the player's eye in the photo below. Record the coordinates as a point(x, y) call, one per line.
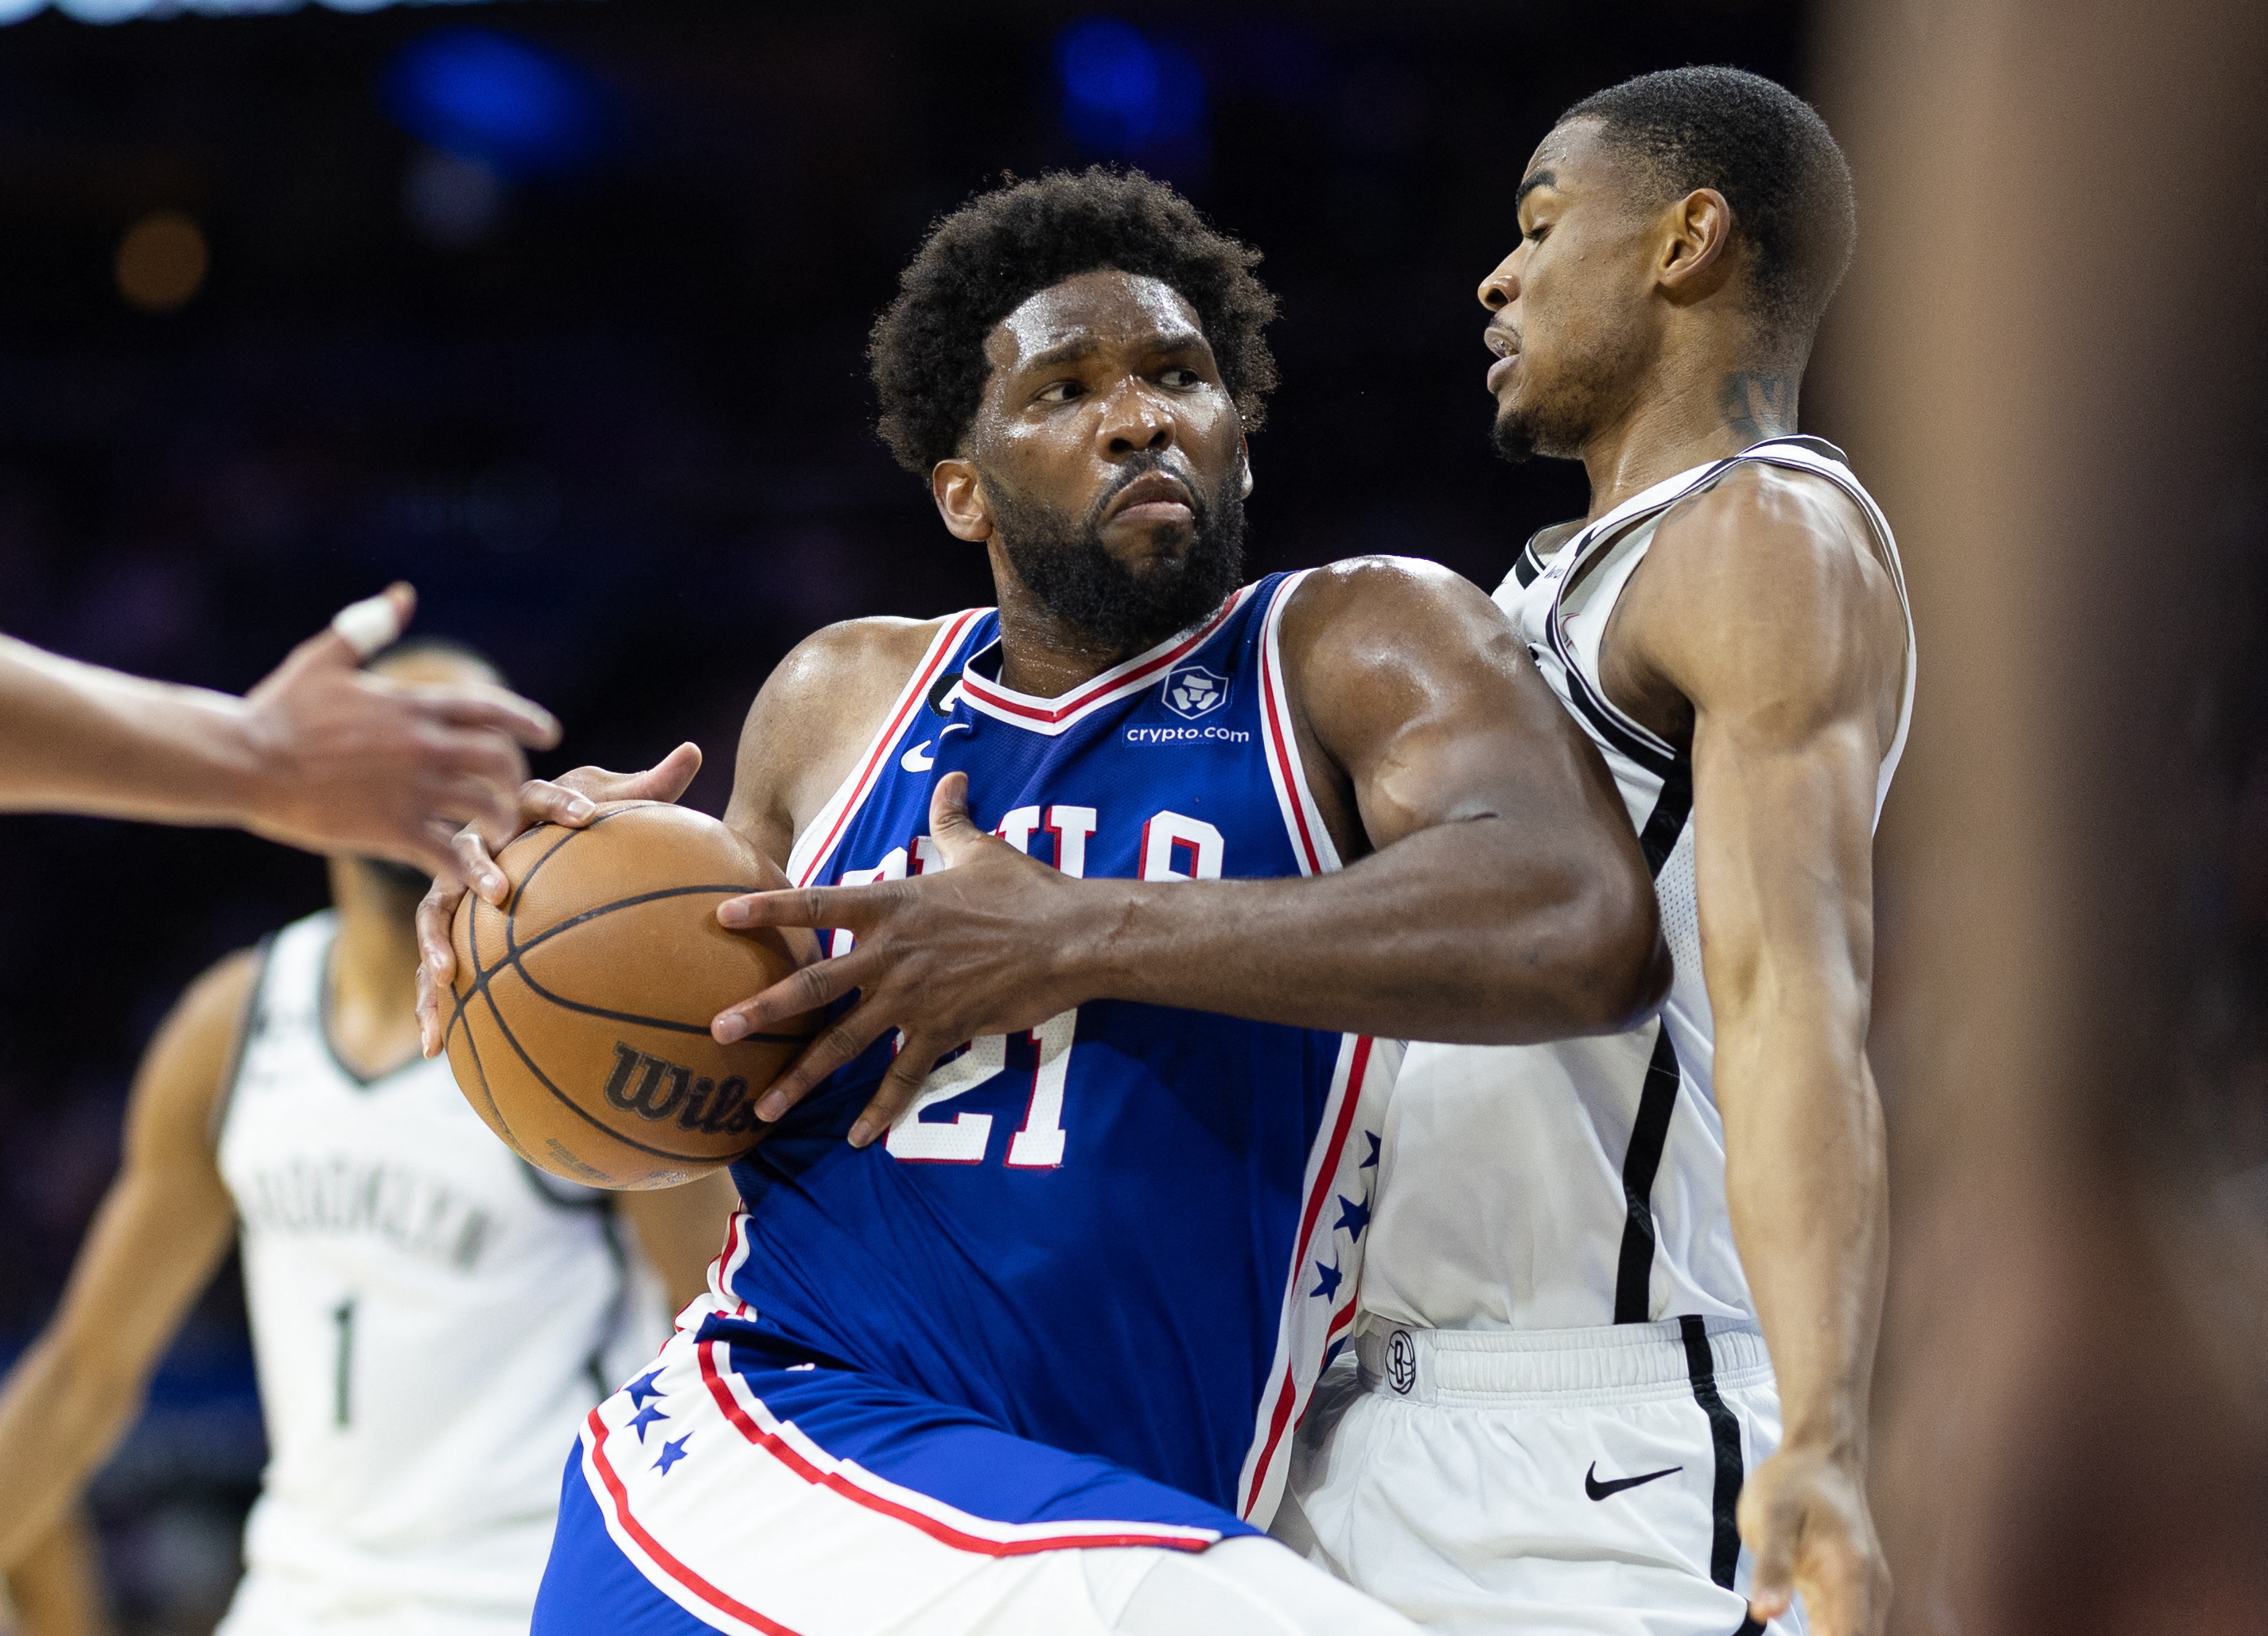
point(1534, 234)
point(1181, 379)
point(1061, 392)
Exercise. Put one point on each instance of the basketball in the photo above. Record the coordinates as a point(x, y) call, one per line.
point(580, 1028)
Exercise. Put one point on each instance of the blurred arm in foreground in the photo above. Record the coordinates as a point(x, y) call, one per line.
point(320, 755)
point(57, 1588)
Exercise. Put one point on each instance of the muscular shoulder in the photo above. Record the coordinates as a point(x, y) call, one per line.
point(813, 714)
point(1766, 590)
point(1388, 613)
point(188, 1059)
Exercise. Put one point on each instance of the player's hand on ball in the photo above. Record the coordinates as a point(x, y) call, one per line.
point(974, 947)
point(1804, 1514)
point(349, 761)
point(570, 800)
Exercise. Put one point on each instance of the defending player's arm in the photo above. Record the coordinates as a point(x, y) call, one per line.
point(165, 1225)
point(680, 1229)
point(56, 1589)
point(320, 755)
point(1503, 898)
point(1763, 606)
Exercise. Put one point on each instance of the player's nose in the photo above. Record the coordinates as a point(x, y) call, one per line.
point(1134, 419)
point(1501, 287)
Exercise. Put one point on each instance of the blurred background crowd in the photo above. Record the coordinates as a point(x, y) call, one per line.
point(557, 308)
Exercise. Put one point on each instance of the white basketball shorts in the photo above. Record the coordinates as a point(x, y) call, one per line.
point(1544, 1482)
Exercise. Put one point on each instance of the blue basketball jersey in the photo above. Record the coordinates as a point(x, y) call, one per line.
point(1132, 1231)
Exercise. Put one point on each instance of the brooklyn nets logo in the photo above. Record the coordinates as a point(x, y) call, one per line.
point(1193, 691)
point(1402, 1362)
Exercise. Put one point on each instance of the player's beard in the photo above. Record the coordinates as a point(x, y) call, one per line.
point(1556, 416)
point(1118, 606)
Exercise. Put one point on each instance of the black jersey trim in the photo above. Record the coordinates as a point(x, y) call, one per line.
point(1656, 1102)
point(1525, 568)
point(1666, 822)
point(256, 1013)
point(1724, 1439)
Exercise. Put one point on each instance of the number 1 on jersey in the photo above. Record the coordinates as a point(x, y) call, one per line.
point(963, 1140)
point(342, 1314)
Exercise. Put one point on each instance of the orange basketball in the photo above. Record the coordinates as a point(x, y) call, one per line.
point(580, 1031)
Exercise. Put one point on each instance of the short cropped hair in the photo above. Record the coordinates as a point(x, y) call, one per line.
point(1767, 152)
point(436, 648)
point(995, 253)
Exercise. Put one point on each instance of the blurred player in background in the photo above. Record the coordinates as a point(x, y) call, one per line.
point(1564, 1391)
point(432, 1317)
point(1023, 1354)
point(320, 755)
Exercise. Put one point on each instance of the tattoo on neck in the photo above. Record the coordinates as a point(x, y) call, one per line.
point(1758, 403)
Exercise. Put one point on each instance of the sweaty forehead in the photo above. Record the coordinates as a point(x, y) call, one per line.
point(1098, 308)
point(1570, 156)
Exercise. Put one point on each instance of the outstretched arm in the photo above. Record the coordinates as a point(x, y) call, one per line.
point(162, 1229)
point(320, 755)
point(1503, 898)
point(1764, 607)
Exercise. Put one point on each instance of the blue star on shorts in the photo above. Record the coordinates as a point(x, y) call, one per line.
point(643, 1388)
point(671, 1452)
point(643, 1419)
point(1326, 1281)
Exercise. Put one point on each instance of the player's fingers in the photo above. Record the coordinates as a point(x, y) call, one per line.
point(804, 990)
point(895, 1094)
point(482, 707)
point(1771, 1533)
point(841, 1041)
point(950, 826)
point(544, 802)
point(472, 864)
point(428, 1011)
point(437, 911)
point(665, 781)
point(804, 905)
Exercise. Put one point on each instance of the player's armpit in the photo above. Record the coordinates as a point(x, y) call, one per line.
point(163, 1228)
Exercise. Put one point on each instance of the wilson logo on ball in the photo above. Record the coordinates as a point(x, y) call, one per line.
point(653, 1088)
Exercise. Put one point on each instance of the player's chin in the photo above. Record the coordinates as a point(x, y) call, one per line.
point(1150, 547)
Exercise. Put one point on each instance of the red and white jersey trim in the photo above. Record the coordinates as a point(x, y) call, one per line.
point(1311, 841)
point(1360, 1085)
point(1054, 716)
point(817, 842)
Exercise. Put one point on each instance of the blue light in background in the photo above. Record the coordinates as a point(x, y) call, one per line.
point(488, 97)
point(1124, 93)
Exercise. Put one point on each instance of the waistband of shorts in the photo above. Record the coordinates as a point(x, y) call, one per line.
point(1620, 1363)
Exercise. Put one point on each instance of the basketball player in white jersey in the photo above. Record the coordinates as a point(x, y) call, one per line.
point(1590, 1260)
point(320, 755)
point(431, 1318)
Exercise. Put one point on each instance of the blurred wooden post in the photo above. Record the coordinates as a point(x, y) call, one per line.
point(2047, 363)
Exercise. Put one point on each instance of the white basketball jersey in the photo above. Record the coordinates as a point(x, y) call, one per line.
point(431, 1320)
point(1582, 1183)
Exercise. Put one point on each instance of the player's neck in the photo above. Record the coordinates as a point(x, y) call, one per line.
point(1686, 414)
point(1041, 653)
point(372, 998)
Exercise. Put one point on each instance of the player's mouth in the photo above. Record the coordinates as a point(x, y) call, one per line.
point(1152, 499)
point(1504, 342)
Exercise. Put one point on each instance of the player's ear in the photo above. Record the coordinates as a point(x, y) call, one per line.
point(1697, 248)
point(1244, 461)
point(961, 500)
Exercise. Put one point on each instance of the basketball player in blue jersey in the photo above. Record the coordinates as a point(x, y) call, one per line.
point(430, 1317)
point(1024, 1353)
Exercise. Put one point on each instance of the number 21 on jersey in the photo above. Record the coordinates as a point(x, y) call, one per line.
point(1037, 1145)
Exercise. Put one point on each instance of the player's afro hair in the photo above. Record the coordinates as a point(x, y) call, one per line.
point(995, 252)
point(1772, 158)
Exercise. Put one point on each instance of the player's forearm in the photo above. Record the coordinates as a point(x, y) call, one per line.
point(62, 1411)
point(1465, 932)
point(76, 737)
point(1806, 1182)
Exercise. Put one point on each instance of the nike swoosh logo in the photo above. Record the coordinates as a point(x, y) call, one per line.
point(915, 761)
point(1598, 1490)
